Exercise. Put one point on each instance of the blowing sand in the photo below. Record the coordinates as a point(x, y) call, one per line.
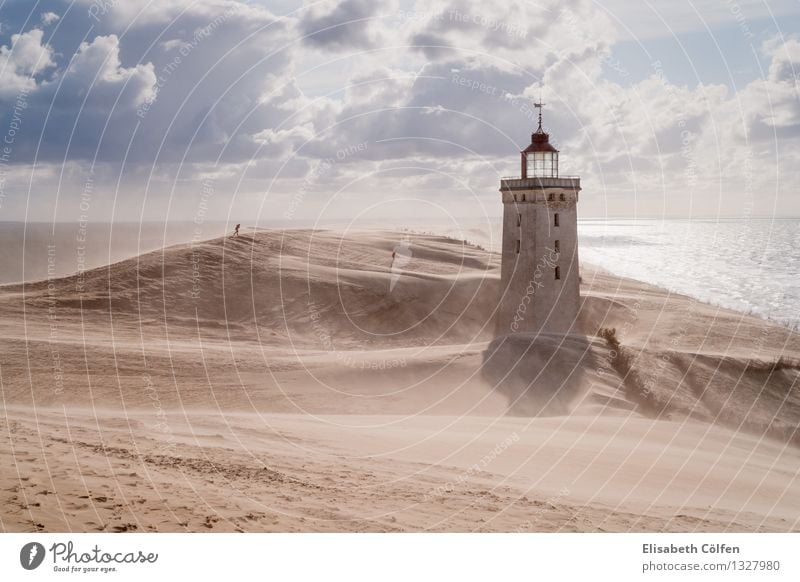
point(275, 383)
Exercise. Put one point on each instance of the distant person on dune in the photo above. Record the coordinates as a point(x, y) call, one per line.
point(236, 230)
point(401, 256)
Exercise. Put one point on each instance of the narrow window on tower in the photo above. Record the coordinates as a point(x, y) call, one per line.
point(519, 220)
point(562, 198)
point(517, 246)
point(557, 247)
point(558, 272)
point(555, 219)
point(550, 197)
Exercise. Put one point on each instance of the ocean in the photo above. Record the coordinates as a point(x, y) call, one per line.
point(748, 265)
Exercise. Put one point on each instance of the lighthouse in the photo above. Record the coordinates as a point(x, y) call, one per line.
point(540, 286)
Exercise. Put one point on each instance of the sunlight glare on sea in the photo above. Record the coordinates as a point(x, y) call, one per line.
point(748, 265)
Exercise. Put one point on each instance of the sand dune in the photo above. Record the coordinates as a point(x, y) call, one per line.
point(37, 250)
point(281, 382)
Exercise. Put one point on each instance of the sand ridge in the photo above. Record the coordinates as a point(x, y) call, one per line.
point(275, 382)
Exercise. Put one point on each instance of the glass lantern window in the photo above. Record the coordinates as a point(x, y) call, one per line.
point(542, 165)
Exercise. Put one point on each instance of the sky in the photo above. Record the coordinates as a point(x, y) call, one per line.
point(371, 110)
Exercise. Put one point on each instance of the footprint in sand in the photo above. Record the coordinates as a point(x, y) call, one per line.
point(210, 521)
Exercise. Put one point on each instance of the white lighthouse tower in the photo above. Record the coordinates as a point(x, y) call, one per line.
point(540, 287)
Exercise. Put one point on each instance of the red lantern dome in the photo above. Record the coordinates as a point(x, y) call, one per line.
point(540, 159)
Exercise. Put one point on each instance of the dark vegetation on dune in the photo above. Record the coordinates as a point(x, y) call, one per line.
point(760, 396)
point(635, 389)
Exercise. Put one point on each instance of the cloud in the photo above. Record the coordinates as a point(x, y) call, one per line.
point(514, 34)
point(341, 25)
point(784, 59)
point(20, 63)
point(97, 72)
point(88, 109)
point(193, 82)
point(49, 18)
point(775, 100)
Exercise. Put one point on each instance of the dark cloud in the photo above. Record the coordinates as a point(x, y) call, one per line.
point(346, 26)
point(483, 28)
point(166, 86)
point(450, 109)
point(433, 46)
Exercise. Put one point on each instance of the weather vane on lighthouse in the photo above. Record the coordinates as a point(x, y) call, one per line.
point(539, 105)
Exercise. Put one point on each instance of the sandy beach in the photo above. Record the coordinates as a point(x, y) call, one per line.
point(274, 382)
